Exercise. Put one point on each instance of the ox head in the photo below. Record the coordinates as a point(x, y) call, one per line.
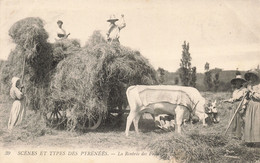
point(212, 112)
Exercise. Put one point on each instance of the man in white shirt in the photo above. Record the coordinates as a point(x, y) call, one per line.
point(113, 33)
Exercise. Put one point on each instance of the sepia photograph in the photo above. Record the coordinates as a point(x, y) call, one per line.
point(143, 81)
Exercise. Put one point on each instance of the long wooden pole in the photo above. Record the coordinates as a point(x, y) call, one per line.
point(235, 113)
point(23, 69)
point(22, 80)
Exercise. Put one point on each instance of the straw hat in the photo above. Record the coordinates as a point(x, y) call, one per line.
point(252, 73)
point(112, 18)
point(238, 78)
point(59, 21)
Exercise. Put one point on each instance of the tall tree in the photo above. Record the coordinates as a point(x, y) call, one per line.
point(207, 77)
point(187, 74)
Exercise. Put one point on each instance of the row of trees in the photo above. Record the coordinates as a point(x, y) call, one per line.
point(187, 75)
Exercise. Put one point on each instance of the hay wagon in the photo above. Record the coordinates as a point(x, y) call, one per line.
point(57, 117)
point(62, 75)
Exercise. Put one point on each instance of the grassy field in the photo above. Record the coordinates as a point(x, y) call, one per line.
point(196, 144)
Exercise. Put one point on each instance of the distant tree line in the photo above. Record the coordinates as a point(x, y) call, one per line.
point(211, 80)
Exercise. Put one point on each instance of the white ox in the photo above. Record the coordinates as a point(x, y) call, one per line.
point(174, 100)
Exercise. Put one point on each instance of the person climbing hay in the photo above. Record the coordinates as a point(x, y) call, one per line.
point(18, 111)
point(113, 33)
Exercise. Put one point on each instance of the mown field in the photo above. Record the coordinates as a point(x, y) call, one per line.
point(196, 144)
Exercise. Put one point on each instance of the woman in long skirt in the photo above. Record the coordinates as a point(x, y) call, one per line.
point(237, 95)
point(252, 116)
point(17, 112)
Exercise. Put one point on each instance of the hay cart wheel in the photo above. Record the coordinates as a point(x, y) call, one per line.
point(93, 123)
point(55, 118)
point(116, 116)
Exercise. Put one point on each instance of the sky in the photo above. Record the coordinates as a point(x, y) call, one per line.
point(226, 34)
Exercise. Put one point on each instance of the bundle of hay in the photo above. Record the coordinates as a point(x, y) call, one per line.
point(198, 146)
point(13, 66)
point(29, 33)
point(63, 49)
point(94, 39)
point(95, 79)
point(32, 58)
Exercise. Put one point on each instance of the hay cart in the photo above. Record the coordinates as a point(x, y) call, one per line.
point(57, 117)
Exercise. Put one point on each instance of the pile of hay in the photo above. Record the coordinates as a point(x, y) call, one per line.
point(94, 39)
point(33, 126)
point(12, 67)
point(202, 147)
point(28, 32)
point(64, 48)
point(40, 59)
point(33, 54)
point(94, 80)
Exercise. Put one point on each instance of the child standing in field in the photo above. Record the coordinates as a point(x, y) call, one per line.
point(252, 115)
point(237, 95)
point(17, 112)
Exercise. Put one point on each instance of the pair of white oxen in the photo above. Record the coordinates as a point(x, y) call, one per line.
point(165, 99)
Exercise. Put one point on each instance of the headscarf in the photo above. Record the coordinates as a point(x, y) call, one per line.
point(14, 81)
point(15, 92)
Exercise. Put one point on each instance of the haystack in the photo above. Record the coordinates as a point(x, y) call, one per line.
point(13, 66)
point(64, 48)
point(95, 79)
point(32, 58)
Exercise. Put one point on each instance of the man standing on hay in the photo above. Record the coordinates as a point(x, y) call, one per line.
point(61, 33)
point(18, 111)
point(113, 33)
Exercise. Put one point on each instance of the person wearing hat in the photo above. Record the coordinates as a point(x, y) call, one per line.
point(237, 95)
point(113, 32)
point(17, 111)
point(61, 33)
point(252, 113)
